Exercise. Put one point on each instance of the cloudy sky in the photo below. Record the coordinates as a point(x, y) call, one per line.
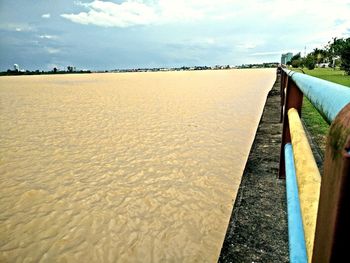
point(95, 34)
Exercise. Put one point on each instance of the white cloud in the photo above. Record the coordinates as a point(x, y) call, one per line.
point(109, 14)
point(51, 50)
point(209, 41)
point(206, 30)
point(46, 15)
point(247, 45)
point(314, 20)
point(269, 53)
point(47, 37)
point(136, 12)
point(19, 27)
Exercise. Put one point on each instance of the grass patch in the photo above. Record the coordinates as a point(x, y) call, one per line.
point(314, 122)
point(336, 76)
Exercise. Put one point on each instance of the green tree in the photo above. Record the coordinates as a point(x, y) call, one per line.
point(345, 57)
point(320, 55)
point(335, 47)
point(296, 61)
point(296, 57)
point(310, 61)
point(340, 48)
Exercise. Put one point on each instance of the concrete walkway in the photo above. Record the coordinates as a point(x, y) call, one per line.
point(258, 230)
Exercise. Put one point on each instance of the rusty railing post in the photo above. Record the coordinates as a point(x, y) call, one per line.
point(293, 99)
point(281, 92)
point(332, 236)
point(283, 84)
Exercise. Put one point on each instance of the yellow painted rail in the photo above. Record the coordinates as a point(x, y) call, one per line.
point(308, 178)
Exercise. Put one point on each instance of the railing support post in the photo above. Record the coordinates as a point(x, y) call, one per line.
point(293, 99)
point(283, 84)
point(332, 236)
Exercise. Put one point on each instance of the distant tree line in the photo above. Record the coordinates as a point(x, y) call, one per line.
point(335, 54)
point(15, 72)
point(261, 65)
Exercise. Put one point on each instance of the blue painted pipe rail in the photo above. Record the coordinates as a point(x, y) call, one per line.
point(329, 98)
point(297, 247)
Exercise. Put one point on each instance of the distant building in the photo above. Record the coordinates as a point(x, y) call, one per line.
point(287, 57)
point(16, 67)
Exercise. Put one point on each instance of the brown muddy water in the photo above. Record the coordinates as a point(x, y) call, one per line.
point(135, 167)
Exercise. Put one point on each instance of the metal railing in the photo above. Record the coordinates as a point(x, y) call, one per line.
point(318, 207)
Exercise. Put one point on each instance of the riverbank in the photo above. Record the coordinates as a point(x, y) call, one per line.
point(258, 230)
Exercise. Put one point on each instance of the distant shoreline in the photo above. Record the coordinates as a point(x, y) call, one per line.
point(184, 68)
point(31, 73)
point(196, 68)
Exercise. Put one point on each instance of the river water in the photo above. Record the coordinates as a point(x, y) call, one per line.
point(132, 167)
